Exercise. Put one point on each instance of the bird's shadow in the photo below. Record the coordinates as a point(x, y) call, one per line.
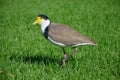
point(36, 59)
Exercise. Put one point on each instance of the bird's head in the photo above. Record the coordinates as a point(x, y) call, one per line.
point(42, 20)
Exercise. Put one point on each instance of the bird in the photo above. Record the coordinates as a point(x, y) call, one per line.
point(62, 35)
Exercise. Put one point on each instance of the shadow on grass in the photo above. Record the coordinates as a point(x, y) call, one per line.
point(36, 59)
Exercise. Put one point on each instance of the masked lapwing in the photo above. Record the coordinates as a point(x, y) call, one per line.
point(61, 35)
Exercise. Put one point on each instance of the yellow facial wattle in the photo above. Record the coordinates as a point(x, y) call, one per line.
point(37, 21)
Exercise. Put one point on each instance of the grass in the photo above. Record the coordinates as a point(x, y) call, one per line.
point(26, 55)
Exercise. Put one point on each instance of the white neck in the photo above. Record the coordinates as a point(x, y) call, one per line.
point(44, 24)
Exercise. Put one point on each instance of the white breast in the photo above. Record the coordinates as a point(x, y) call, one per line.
point(44, 24)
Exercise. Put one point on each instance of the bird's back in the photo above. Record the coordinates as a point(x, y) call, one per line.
point(66, 35)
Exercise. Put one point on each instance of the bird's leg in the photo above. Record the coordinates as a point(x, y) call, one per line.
point(73, 52)
point(65, 58)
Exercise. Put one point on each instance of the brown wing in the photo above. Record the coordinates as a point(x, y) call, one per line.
point(66, 35)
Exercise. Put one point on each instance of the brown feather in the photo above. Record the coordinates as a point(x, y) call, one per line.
point(66, 35)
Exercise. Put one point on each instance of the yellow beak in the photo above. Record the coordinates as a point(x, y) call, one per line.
point(37, 21)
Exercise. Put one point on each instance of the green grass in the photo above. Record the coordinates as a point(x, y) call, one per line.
point(26, 55)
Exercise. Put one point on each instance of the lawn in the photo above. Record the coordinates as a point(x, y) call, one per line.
point(26, 55)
